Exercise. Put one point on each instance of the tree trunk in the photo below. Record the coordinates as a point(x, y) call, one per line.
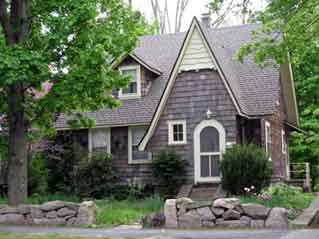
point(18, 163)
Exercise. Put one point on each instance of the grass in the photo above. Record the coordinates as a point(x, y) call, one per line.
point(298, 202)
point(112, 212)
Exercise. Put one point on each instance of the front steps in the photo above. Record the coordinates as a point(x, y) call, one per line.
point(199, 192)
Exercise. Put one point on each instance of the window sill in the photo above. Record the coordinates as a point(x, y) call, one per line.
point(129, 97)
point(177, 143)
point(146, 161)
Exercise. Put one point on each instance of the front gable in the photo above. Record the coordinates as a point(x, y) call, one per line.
point(195, 54)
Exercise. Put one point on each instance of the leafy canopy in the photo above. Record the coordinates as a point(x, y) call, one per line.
point(69, 49)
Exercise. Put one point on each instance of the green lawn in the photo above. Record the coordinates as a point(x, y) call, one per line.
point(299, 202)
point(110, 211)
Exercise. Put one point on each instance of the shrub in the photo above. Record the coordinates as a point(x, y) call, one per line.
point(95, 178)
point(37, 175)
point(244, 166)
point(316, 188)
point(169, 172)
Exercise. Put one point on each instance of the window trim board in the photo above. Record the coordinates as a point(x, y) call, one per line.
point(171, 124)
point(138, 82)
point(130, 152)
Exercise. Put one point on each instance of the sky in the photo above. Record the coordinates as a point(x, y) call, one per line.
point(195, 8)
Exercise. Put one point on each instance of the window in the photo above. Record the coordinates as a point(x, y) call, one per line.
point(177, 132)
point(99, 140)
point(134, 87)
point(283, 142)
point(268, 139)
point(135, 135)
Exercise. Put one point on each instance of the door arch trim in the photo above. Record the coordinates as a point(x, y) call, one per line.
point(222, 141)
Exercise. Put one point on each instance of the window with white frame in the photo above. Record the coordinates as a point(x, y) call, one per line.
point(283, 142)
point(268, 139)
point(135, 135)
point(100, 140)
point(177, 132)
point(134, 86)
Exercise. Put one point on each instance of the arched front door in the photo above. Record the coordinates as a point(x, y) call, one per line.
point(209, 145)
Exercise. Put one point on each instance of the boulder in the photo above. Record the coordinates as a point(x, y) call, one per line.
point(190, 220)
point(52, 215)
point(24, 209)
point(257, 224)
point(86, 214)
point(170, 213)
point(65, 212)
point(208, 224)
point(245, 221)
point(9, 210)
point(56, 205)
point(255, 211)
point(227, 203)
point(232, 224)
point(206, 214)
point(231, 214)
point(153, 220)
point(182, 201)
point(198, 204)
point(36, 212)
point(277, 219)
point(218, 212)
point(71, 221)
point(12, 218)
point(49, 222)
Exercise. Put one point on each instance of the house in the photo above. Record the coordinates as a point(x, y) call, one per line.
point(190, 95)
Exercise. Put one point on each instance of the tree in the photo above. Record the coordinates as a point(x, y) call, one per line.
point(221, 9)
point(55, 58)
point(162, 18)
point(292, 27)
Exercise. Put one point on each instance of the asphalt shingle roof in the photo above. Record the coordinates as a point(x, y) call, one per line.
point(255, 89)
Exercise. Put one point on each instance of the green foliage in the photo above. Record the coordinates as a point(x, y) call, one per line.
point(297, 21)
point(114, 212)
point(316, 188)
point(244, 166)
point(281, 195)
point(169, 172)
point(37, 175)
point(95, 178)
point(132, 191)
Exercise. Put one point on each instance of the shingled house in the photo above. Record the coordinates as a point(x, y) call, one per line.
point(190, 95)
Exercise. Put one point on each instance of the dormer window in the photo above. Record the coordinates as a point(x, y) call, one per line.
point(133, 89)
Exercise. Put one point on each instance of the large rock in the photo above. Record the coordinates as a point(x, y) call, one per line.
point(49, 222)
point(232, 224)
point(206, 214)
point(231, 214)
point(170, 213)
point(9, 210)
point(277, 219)
point(218, 212)
point(66, 212)
point(52, 215)
point(257, 224)
point(56, 205)
point(16, 219)
point(255, 211)
point(182, 201)
point(86, 214)
point(227, 203)
point(24, 209)
point(36, 212)
point(190, 220)
point(245, 221)
point(198, 204)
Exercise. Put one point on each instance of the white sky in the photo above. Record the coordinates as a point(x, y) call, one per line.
point(195, 8)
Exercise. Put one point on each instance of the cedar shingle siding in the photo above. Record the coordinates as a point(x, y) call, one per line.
point(192, 95)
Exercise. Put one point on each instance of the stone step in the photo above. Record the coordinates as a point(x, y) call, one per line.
point(204, 192)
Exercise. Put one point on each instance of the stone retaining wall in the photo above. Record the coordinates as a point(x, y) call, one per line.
point(224, 212)
point(50, 213)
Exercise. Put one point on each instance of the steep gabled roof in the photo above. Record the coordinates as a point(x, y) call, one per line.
point(255, 90)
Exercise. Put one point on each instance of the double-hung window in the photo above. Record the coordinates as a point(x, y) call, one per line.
point(268, 141)
point(133, 88)
point(177, 132)
point(100, 140)
point(135, 135)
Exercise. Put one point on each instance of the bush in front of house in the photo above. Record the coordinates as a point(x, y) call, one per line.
point(169, 172)
point(37, 175)
point(245, 167)
point(95, 177)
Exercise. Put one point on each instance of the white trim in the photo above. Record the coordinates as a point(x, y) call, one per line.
point(171, 124)
point(172, 79)
point(138, 82)
point(267, 125)
point(197, 153)
point(130, 153)
point(108, 140)
point(283, 142)
point(104, 126)
point(122, 57)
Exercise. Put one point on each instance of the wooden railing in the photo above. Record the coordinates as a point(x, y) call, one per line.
point(299, 173)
